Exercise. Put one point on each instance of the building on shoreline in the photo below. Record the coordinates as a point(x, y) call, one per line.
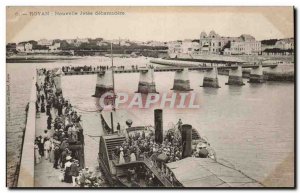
point(278, 47)
point(24, 47)
point(45, 42)
point(247, 45)
point(213, 43)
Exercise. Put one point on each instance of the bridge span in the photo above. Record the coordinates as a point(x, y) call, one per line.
point(167, 69)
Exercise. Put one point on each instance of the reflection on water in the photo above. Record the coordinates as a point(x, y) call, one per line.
point(252, 126)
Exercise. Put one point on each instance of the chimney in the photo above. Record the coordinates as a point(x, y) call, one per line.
point(158, 123)
point(186, 135)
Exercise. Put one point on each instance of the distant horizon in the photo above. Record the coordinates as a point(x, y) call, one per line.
point(132, 40)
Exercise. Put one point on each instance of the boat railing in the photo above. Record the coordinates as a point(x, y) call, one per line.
point(157, 171)
point(150, 164)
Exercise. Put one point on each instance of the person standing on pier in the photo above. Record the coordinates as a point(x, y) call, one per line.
point(37, 107)
point(119, 128)
point(47, 147)
point(37, 155)
point(56, 157)
point(41, 145)
point(42, 98)
point(74, 171)
point(48, 107)
point(43, 108)
point(179, 123)
point(68, 177)
point(49, 122)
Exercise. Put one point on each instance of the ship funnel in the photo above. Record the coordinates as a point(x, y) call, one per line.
point(158, 123)
point(186, 135)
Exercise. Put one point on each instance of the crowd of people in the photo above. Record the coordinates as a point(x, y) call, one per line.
point(139, 144)
point(96, 68)
point(89, 68)
point(62, 141)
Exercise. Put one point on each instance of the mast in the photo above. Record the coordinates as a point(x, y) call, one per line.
point(113, 76)
point(113, 82)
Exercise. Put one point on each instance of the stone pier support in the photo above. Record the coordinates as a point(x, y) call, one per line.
point(235, 77)
point(104, 83)
point(147, 82)
point(181, 80)
point(211, 78)
point(256, 75)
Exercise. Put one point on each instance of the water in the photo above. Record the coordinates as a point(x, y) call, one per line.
point(18, 92)
point(251, 127)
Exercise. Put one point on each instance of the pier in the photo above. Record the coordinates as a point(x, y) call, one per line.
point(41, 172)
point(165, 69)
point(26, 173)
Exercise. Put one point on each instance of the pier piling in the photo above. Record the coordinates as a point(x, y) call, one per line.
point(211, 78)
point(256, 75)
point(104, 83)
point(147, 83)
point(181, 80)
point(235, 77)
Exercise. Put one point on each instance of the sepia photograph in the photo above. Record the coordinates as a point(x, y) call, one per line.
point(177, 97)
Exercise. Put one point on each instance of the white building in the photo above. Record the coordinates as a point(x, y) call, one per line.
point(70, 41)
point(102, 43)
point(246, 44)
point(121, 42)
point(285, 44)
point(190, 46)
point(55, 47)
point(45, 42)
point(174, 47)
point(245, 47)
point(20, 47)
point(79, 41)
point(24, 47)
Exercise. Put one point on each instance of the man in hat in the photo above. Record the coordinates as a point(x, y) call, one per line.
point(74, 171)
point(68, 177)
point(179, 123)
point(56, 156)
point(49, 121)
point(119, 128)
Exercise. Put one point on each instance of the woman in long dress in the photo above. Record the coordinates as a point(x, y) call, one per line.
point(121, 160)
point(51, 156)
point(132, 157)
point(47, 148)
point(43, 108)
point(68, 177)
point(37, 155)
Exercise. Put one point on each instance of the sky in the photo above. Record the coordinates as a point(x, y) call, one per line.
point(145, 24)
